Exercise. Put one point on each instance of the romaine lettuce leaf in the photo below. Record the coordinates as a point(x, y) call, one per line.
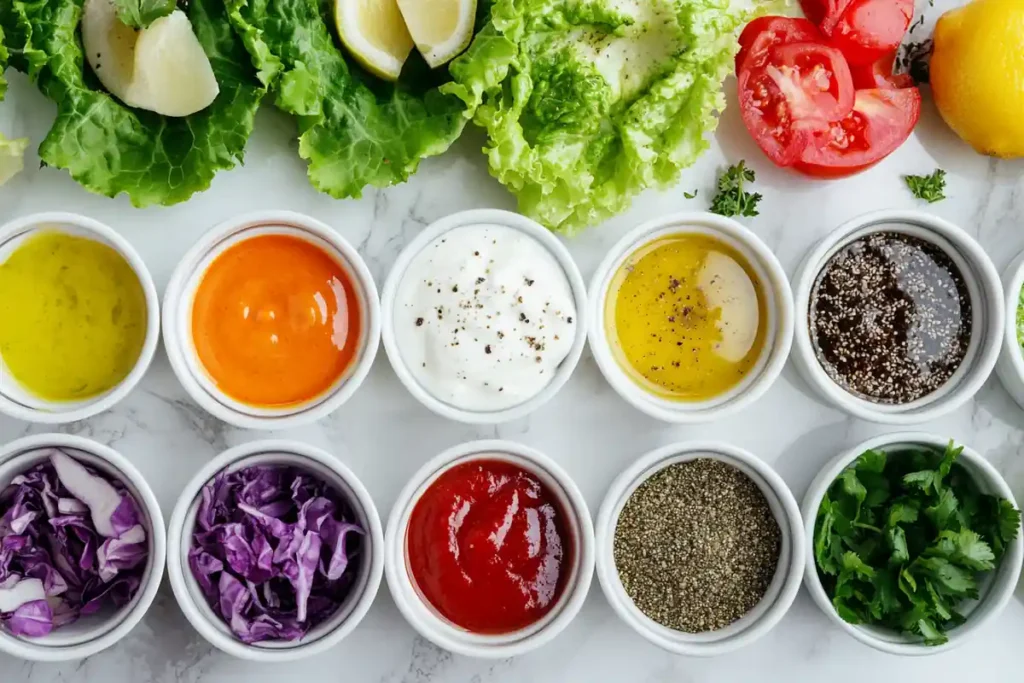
point(110, 148)
point(586, 103)
point(354, 129)
point(142, 13)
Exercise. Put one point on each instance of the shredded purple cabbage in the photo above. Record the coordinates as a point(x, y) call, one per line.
point(71, 541)
point(271, 551)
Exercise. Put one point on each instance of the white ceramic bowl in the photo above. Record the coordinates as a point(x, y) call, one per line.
point(180, 294)
point(426, 619)
point(424, 239)
point(22, 405)
point(370, 562)
point(788, 574)
point(780, 318)
point(1010, 366)
point(96, 632)
point(996, 590)
point(986, 295)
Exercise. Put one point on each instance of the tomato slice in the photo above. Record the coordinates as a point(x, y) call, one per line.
point(764, 33)
point(799, 90)
point(880, 122)
point(824, 13)
point(867, 30)
point(880, 74)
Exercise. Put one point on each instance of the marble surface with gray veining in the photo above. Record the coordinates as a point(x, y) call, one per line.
point(384, 435)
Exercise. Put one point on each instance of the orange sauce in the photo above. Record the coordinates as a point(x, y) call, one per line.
point(275, 321)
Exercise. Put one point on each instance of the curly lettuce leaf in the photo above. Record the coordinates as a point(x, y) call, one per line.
point(588, 103)
point(142, 13)
point(354, 129)
point(3, 64)
point(111, 149)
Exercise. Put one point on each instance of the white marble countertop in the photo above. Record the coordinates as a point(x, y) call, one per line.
point(384, 435)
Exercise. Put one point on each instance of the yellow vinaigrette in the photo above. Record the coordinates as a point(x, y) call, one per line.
point(72, 316)
point(687, 316)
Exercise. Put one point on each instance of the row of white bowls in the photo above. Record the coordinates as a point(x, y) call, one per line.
point(994, 319)
point(387, 551)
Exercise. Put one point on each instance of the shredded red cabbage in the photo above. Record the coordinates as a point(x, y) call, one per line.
point(71, 541)
point(271, 551)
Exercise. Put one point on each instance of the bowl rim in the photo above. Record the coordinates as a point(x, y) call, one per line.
point(33, 651)
point(1014, 279)
point(777, 292)
point(982, 272)
point(790, 526)
point(177, 563)
point(422, 240)
point(107, 235)
point(179, 291)
point(999, 593)
point(414, 607)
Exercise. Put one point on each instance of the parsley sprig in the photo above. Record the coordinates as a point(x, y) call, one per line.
point(731, 200)
point(902, 539)
point(931, 188)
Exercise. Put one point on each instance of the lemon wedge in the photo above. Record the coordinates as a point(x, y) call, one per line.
point(375, 33)
point(441, 29)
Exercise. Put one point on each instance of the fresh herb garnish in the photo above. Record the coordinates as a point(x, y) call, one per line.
point(690, 195)
point(931, 188)
point(915, 59)
point(731, 200)
point(902, 538)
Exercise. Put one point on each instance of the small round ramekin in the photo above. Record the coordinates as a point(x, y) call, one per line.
point(425, 238)
point(1010, 366)
point(784, 585)
point(371, 560)
point(20, 404)
point(423, 617)
point(996, 590)
point(180, 295)
point(94, 633)
point(780, 318)
point(988, 319)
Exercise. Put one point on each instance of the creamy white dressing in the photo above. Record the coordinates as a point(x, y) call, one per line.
point(484, 315)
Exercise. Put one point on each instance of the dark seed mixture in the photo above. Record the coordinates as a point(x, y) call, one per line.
point(890, 318)
point(697, 545)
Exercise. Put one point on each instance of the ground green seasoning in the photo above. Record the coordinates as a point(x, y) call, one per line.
point(696, 545)
point(1020, 318)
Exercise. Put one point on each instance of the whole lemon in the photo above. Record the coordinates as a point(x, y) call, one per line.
point(977, 75)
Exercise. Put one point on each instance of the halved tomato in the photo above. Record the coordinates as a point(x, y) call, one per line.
point(880, 74)
point(880, 122)
point(796, 91)
point(764, 33)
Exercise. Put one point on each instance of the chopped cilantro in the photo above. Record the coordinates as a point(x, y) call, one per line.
point(931, 188)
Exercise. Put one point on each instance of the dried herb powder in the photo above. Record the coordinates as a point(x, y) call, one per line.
point(890, 317)
point(696, 545)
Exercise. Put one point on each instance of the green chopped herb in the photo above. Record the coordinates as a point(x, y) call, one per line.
point(690, 195)
point(731, 200)
point(930, 188)
point(902, 538)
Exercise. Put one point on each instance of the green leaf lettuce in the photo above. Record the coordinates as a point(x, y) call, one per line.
point(110, 148)
point(142, 13)
point(586, 104)
point(354, 129)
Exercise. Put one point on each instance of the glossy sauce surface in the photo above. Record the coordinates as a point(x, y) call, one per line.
point(73, 316)
point(687, 316)
point(488, 547)
point(275, 321)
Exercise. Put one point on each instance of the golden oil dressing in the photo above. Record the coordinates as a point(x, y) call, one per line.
point(687, 316)
point(72, 316)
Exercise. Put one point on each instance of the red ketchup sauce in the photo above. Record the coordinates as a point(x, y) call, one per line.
point(488, 547)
